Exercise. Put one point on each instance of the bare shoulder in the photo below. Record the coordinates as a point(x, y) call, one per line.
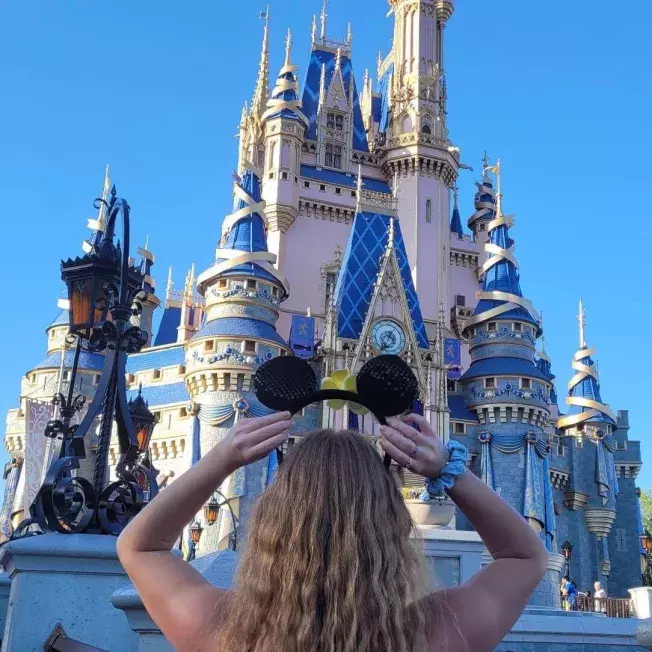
point(442, 628)
point(211, 613)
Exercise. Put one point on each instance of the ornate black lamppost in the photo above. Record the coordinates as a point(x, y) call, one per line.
point(104, 294)
point(212, 511)
point(567, 551)
point(195, 535)
point(646, 542)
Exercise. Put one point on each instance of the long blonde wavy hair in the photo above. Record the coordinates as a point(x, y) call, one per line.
point(328, 565)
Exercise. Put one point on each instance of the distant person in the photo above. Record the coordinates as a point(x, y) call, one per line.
point(600, 598)
point(569, 591)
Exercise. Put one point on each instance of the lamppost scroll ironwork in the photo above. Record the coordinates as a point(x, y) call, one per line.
point(104, 294)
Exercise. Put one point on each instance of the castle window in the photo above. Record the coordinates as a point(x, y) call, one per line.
point(451, 385)
point(223, 283)
point(483, 227)
point(251, 284)
point(66, 375)
point(427, 129)
point(96, 379)
point(621, 540)
point(526, 383)
point(156, 374)
point(426, 125)
point(131, 379)
point(458, 428)
point(338, 191)
point(249, 346)
point(492, 327)
point(460, 300)
point(285, 154)
point(272, 154)
point(183, 412)
point(331, 280)
point(209, 345)
point(306, 184)
point(274, 291)
point(490, 383)
point(330, 120)
point(428, 210)
point(334, 156)
point(322, 188)
point(517, 328)
point(335, 121)
point(181, 369)
point(354, 193)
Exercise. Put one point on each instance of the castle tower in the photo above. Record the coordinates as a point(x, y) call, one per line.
point(251, 151)
point(415, 145)
point(285, 127)
point(511, 396)
point(243, 291)
point(588, 430)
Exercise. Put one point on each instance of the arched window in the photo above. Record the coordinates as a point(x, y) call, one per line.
point(272, 155)
point(407, 124)
point(428, 210)
point(285, 154)
point(426, 124)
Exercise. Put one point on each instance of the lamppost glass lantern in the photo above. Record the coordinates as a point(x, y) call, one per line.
point(195, 532)
point(211, 510)
point(567, 549)
point(646, 541)
point(86, 278)
point(143, 420)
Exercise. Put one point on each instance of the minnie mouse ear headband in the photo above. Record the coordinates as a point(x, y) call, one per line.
point(385, 386)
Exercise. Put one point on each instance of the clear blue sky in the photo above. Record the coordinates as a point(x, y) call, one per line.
point(155, 88)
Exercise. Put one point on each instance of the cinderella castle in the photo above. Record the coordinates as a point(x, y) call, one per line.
point(347, 241)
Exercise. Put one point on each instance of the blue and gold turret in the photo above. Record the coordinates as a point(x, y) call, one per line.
point(510, 393)
point(485, 203)
point(587, 430)
point(243, 291)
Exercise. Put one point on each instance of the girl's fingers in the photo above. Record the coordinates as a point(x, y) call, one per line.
point(423, 423)
point(267, 446)
point(408, 431)
point(267, 432)
point(400, 457)
point(400, 442)
point(249, 425)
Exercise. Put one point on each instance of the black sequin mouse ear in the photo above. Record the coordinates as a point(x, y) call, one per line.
point(387, 386)
point(286, 383)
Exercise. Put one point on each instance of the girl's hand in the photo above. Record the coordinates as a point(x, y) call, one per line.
point(251, 439)
point(420, 452)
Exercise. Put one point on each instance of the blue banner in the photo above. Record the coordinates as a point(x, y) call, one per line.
point(453, 358)
point(302, 336)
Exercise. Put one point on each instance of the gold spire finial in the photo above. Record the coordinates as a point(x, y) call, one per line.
point(313, 33)
point(169, 285)
point(261, 92)
point(496, 169)
point(324, 16)
point(288, 49)
point(582, 321)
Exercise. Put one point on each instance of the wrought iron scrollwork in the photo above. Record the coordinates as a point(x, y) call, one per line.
point(68, 502)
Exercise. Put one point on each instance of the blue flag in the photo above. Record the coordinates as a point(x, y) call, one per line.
point(453, 358)
point(302, 336)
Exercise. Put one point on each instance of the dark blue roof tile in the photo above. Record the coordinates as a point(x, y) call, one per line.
point(459, 411)
point(87, 361)
point(342, 179)
point(241, 327)
point(157, 395)
point(503, 367)
point(167, 330)
point(156, 359)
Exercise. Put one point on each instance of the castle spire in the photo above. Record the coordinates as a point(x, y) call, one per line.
point(313, 33)
point(288, 49)
point(98, 224)
point(582, 323)
point(324, 17)
point(584, 399)
point(261, 93)
point(456, 220)
point(501, 294)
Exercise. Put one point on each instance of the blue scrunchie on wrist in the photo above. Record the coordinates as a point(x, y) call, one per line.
point(453, 469)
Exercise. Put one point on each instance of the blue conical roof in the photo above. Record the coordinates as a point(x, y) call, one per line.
point(248, 234)
point(456, 220)
point(503, 277)
point(584, 398)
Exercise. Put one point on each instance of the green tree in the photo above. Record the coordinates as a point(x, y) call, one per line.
point(646, 509)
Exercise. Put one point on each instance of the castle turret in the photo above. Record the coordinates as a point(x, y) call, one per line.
point(151, 302)
point(511, 395)
point(243, 291)
point(456, 220)
point(587, 430)
point(285, 127)
point(416, 150)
